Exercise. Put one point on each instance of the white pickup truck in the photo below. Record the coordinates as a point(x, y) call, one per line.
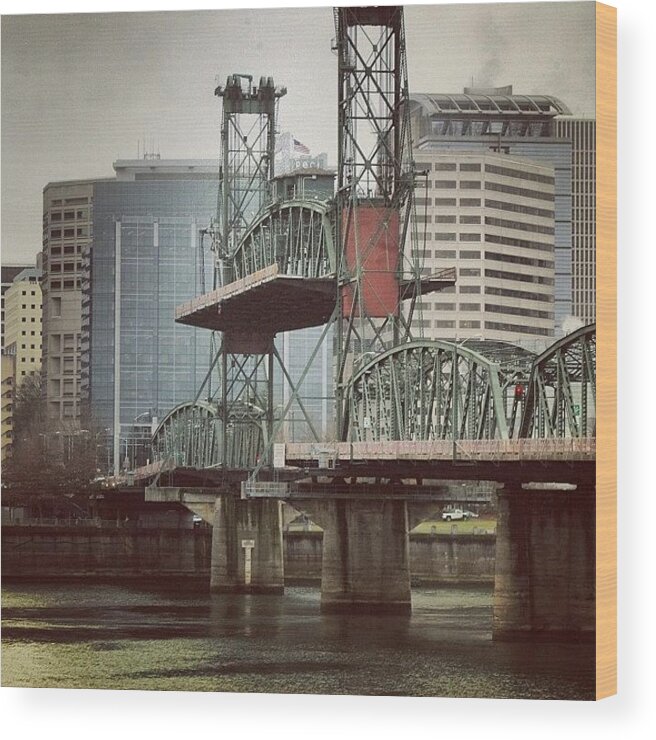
point(457, 514)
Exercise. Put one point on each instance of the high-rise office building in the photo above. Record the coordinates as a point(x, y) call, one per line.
point(491, 216)
point(146, 257)
point(23, 324)
point(496, 120)
point(7, 403)
point(9, 272)
point(67, 233)
point(582, 133)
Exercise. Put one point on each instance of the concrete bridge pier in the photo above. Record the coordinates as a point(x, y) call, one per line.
point(365, 555)
point(247, 546)
point(544, 586)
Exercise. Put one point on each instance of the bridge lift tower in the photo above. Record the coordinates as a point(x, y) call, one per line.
point(380, 269)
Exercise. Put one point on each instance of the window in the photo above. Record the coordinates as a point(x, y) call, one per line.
point(470, 202)
point(519, 225)
point(470, 288)
point(469, 272)
point(442, 324)
point(445, 184)
point(55, 307)
point(517, 311)
point(529, 210)
point(445, 166)
point(55, 216)
point(469, 324)
point(517, 328)
point(55, 233)
point(470, 306)
point(69, 215)
point(470, 219)
point(445, 219)
point(520, 174)
point(467, 254)
point(514, 259)
point(470, 167)
point(524, 192)
point(444, 236)
point(69, 233)
point(512, 242)
point(470, 184)
point(470, 237)
point(445, 306)
point(445, 254)
point(445, 201)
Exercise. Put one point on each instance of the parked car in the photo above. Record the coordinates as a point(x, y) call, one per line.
point(454, 515)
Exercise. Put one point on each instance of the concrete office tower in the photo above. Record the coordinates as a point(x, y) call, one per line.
point(67, 232)
point(7, 401)
point(492, 217)
point(23, 323)
point(496, 120)
point(582, 133)
point(9, 272)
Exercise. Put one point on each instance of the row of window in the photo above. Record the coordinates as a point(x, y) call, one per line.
point(78, 201)
point(519, 174)
point(518, 328)
point(69, 233)
point(69, 215)
point(56, 250)
point(449, 166)
point(65, 284)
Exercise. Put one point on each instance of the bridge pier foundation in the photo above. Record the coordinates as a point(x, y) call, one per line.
point(247, 546)
point(544, 586)
point(365, 555)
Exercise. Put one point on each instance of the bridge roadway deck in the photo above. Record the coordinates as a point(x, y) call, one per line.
point(324, 468)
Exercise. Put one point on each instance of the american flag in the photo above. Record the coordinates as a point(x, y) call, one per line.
point(300, 148)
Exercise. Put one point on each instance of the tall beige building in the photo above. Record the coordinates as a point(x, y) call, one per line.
point(7, 400)
point(67, 233)
point(491, 216)
point(23, 324)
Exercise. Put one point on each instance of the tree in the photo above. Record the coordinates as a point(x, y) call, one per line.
point(50, 458)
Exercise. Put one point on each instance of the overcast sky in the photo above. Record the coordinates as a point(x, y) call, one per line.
point(79, 91)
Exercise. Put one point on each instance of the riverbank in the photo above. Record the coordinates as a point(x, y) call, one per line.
point(113, 555)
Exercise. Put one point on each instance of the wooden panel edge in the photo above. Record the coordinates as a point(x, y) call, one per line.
point(606, 285)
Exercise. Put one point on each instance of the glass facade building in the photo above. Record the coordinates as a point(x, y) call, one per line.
point(146, 258)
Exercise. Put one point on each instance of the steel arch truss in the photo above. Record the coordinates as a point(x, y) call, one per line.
point(295, 235)
point(424, 390)
point(561, 393)
point(191, 436)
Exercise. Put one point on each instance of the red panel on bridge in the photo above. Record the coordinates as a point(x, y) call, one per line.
point(372, 245)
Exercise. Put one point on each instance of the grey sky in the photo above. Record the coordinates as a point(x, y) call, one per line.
point(79, 91)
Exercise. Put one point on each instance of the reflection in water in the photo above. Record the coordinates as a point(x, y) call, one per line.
point(137, 638)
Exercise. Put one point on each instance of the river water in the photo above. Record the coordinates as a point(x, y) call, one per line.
point(134, 637)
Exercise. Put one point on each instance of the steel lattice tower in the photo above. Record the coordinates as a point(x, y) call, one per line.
point(376, 180)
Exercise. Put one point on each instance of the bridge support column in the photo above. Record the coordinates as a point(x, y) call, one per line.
point(365, 555)
point(247, 549)
point(544, 584)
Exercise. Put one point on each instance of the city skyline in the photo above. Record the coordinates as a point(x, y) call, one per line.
point(64, 115)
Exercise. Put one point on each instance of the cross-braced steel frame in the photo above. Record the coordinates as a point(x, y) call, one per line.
point(247, 155)
point(191, 436)
point(298, 236)
point(375, 196)
point(426, 390)
point(561, 392)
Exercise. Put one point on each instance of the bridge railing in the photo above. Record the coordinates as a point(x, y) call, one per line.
point(484, 449)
